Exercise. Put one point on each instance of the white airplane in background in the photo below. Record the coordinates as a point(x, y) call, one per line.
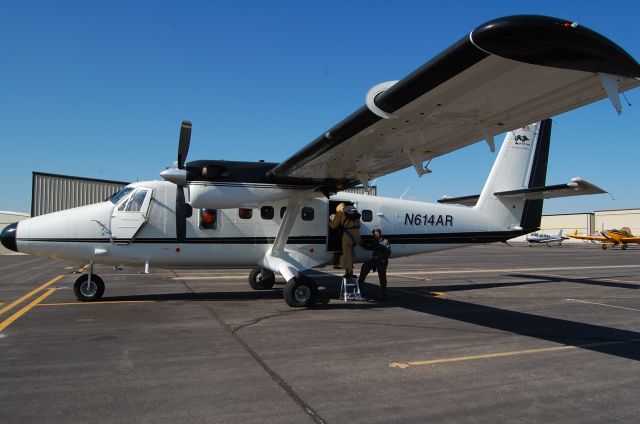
point(272, 217)
point(548, 239)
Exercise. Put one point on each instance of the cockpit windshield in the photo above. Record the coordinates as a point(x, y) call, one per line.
point(115, 198)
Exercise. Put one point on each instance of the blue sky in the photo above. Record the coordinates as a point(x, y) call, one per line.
point(98, 89)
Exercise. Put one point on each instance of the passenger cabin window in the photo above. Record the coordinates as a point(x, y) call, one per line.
point(245, 213)
point(307, 213)
point(367, 215)
point(208, 219)
point(266, 212)
point(282, 211)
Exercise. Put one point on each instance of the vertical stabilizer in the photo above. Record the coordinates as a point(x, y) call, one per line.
point(521, 163)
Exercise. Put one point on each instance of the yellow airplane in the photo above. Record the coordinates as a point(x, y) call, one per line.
point(611, 238)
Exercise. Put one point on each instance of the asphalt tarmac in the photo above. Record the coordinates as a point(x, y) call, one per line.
point(481, 334)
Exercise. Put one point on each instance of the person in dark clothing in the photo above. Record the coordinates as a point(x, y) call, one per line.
point(381, 251)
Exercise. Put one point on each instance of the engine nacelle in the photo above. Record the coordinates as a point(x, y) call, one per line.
point(219, 195)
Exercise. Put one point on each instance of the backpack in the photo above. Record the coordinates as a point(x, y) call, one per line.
point(351, 213)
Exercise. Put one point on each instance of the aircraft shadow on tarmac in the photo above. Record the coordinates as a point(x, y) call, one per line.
point(589, 281)
point(597, 338)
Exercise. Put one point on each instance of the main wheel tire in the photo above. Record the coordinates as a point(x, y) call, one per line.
point(257, 282)
point(300, 292)
point(88, 291)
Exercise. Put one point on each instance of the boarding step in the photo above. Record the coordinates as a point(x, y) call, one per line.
point(350, 289)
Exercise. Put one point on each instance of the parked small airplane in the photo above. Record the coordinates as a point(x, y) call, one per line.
point(549, 239)
point(621, 237)
point(272, 217)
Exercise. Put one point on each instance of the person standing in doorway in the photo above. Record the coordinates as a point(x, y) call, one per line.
point(348, 219)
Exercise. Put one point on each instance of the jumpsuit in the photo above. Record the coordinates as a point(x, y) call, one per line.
point(350, 238)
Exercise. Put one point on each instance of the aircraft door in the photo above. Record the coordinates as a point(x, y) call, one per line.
point(130, 214)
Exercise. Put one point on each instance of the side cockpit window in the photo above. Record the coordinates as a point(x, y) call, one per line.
point(116, 197)
point(132, 202)
point(135, 202)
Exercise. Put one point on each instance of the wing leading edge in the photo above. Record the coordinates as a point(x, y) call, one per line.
point(505, 74)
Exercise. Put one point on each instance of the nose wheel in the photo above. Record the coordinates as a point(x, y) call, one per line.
point(88, 290)
point(261, 279)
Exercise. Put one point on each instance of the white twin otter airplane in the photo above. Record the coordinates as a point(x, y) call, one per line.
point(273, 217)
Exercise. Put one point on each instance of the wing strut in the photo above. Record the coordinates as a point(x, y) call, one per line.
point(610, 86)
point(289, 218)
point(287, 262)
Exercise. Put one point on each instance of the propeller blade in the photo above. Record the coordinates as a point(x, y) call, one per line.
point(183, 145)
point(181, 215)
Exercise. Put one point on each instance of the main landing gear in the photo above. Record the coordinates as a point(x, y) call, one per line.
point(88, 287)
point(300, 291)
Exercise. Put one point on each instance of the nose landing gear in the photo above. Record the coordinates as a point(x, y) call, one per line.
point(88, 287)
point(261, 279)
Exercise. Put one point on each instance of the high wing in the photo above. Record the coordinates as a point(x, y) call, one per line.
point(505, 74)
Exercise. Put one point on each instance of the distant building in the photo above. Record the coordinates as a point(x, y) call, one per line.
point(590, 222)
point(54, 192)
point(373, 190)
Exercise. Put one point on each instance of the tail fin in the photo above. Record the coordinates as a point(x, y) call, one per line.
point(521, 163)
point(560, 233)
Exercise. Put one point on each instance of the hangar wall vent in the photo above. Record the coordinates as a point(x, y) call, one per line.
point(54, 192)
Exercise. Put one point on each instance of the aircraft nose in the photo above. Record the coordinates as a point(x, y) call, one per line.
point(8, 237)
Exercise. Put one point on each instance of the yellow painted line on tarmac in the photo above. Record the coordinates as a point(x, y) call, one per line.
point(7, 322)
point(68, 267)
point(603, 304)
point(421, 293)
point(403, 365)
point(106, 302)
point(31, 293)
point(84, 268)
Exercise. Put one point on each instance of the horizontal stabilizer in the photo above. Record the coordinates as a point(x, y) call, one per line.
point(464, 200)
point(576, 187)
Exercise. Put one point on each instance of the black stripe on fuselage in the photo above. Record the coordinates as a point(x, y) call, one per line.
point(189, 240)
point(432, 238)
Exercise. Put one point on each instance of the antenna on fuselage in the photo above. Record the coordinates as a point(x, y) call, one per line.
point(405, 192)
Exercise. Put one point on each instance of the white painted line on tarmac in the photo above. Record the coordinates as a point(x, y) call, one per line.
point(213, 277)
point(480, 270)
point(603, 304)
